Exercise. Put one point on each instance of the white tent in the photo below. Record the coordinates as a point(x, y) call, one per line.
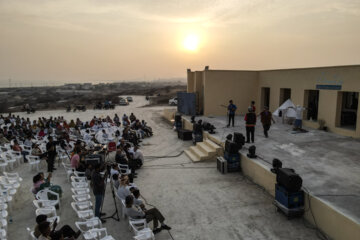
point(286, 111)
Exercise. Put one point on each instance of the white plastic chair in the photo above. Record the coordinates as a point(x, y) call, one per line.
point(3, 224)
point(81, 197)
point(17, 156)
point(43, 203)
point(146, 234)
point(62, 156)
point(3, 164)
point(43, 195)
point(82, 214)
point(137, 225)
point(13, 177)
point(79, 184)
point(68, 169)
point(97, 234)
point(8, 157)
point(25, 148)
point(89, 224)
point(4, 181)
point(3, 234)
point(79, 174)
point(79, 191)
point(80, 206)
point(49, 212)
point(34, 161)
point(31, 234)
point(78, 179)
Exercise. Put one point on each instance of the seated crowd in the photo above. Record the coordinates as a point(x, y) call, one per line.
point(46, 138)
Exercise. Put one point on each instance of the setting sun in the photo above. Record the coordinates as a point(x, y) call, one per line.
point(191, 42)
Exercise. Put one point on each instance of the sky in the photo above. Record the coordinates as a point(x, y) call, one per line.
point(63, 41)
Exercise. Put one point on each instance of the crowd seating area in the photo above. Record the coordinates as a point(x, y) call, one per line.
point(25, 142)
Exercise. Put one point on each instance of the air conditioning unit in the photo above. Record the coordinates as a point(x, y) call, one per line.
point(221, 165)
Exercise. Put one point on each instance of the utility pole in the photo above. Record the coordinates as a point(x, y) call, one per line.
point(9, 82)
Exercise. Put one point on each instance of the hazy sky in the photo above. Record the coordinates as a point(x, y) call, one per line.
point(56, 41)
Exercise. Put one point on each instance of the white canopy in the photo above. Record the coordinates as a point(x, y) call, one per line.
point(286, 111)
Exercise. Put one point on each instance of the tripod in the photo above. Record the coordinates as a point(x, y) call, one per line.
point(115, 215)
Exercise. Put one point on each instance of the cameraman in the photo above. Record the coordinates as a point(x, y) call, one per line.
point(51, 153)
point(98, 186)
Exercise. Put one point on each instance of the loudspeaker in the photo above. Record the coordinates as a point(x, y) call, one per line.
point(239, 138)
point(231, 147)
point(290, 180)
point(184, 135)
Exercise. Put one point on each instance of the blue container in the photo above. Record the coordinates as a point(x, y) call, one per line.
point(290, 200)
point(232, 158)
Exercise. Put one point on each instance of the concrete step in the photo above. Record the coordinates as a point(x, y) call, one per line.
point(197, 152)
point(213, 146)
point(192, 156)
point(206, 149)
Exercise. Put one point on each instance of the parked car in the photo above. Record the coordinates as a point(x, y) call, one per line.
point(173, 101)
point(130, 99)
point(123, 102)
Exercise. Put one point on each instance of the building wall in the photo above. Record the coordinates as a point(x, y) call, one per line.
point(216, 87)
point(221, 86)
point(199, 89)
point(299, 80)
point(190, 81)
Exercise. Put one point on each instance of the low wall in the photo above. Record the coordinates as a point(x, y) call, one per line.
point(328, 219)
point(169, 114)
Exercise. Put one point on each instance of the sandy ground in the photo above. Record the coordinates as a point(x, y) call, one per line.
point(197, 201)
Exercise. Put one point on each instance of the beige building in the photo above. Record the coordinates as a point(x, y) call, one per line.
point(329, 93)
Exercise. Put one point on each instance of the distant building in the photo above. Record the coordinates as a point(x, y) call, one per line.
point(87, 86)
point(328, 93)
point(72, 86)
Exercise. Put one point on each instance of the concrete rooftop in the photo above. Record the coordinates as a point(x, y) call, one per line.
point(329, 164)
point(197, 201)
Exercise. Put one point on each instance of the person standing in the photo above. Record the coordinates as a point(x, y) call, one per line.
point(266, 118)
point(299, 116)
point(51, 153)
point(231, 112)
point(98, 186)
point(250, 119)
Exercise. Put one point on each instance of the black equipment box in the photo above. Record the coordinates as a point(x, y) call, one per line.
point(231, 147)
point(290, 203)
point(184, 134)
point(221, 164)
point(94, 159)
point(290, 180)
point(198, 137)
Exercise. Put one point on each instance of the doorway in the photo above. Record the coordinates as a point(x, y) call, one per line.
point(348, 109)
point(285, 94)
point(312, 104)
point(265, 97)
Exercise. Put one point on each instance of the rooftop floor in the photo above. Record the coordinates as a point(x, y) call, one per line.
point(197, 201)
point(329, 164)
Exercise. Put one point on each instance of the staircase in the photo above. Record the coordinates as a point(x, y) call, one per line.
point(206, 150)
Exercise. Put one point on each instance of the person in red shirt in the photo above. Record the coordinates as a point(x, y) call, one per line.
point(253, 106)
